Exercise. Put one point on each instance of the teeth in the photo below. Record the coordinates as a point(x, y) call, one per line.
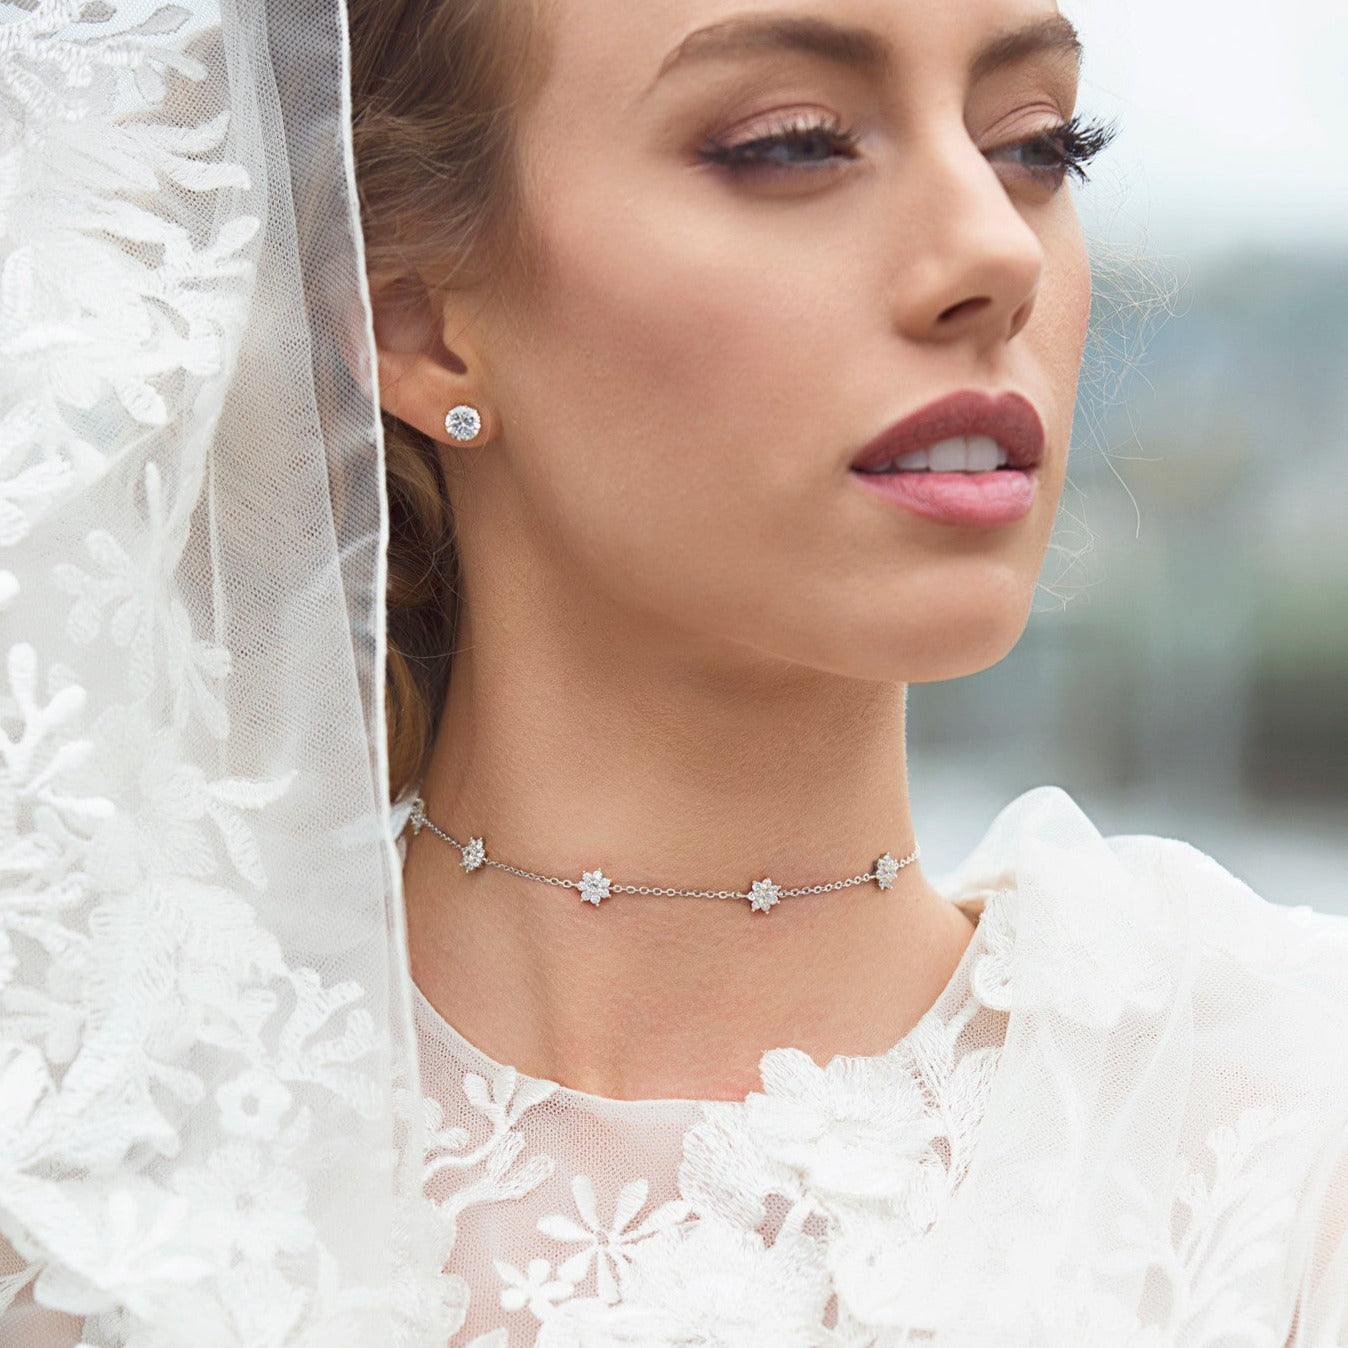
point(949, 456)
point(984, 453)
point(960, 454)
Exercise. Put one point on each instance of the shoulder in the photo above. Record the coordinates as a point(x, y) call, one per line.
point(1299, 946)
point(1150, 915)
point(1260, 987)
point(1193, 1031)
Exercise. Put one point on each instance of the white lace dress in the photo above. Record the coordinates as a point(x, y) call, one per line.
point(1123, 1122)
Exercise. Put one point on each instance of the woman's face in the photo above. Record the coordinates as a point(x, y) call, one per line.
point(711, 345)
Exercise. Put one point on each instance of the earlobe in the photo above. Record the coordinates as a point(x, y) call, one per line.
point(420, 390)
point(422, 381)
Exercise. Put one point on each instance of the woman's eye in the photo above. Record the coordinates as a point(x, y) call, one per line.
point(1059, 150)
point(799, 145)
point(1048, 156)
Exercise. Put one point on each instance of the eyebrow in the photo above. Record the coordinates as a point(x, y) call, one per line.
point(860, 49)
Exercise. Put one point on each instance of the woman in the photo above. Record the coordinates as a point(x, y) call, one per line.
point(720, 279)
point(727, 358)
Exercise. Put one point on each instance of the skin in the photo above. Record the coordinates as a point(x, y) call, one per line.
point(689, 629)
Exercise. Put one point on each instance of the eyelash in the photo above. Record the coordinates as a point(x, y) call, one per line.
point(1073, 145)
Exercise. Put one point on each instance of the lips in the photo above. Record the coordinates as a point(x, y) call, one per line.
point(1008, 418)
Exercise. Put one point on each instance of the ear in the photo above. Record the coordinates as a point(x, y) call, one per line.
point(420, 378)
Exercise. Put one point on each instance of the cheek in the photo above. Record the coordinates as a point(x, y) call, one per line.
point(666, 347)
point(676, 412)
point(1076, 291)
point(1059, 326)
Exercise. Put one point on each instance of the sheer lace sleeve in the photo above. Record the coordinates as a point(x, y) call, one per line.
point(26, 1323)
point(1322, 1305)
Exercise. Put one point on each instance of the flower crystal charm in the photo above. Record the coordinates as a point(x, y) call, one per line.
point(418, 816)
point(885, 871)
point(763, 895)
point(474, 854)
point(594, 886)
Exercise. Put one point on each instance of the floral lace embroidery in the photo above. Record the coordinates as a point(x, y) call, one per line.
point(859, 1144)
point(802, 1213)
point(134, 972)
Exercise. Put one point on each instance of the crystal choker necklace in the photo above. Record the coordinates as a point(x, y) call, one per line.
point(595, 886)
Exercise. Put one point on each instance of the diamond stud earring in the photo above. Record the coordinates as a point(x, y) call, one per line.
point(463, 422)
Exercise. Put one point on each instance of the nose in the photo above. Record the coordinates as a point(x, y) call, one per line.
point(970, 262)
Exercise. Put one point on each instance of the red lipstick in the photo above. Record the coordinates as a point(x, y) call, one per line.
point(1003, 445)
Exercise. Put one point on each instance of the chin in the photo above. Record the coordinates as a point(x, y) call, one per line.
point(956, 663)
point(962, 641)
point(952, 647)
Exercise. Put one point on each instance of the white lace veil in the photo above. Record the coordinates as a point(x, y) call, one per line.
point(205, 1021)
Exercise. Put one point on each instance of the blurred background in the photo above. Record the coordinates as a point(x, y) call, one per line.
point(1185, 671)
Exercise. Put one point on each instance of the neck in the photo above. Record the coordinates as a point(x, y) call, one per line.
point(665, 767)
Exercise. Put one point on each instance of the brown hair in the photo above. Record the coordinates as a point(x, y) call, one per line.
point(436, 90)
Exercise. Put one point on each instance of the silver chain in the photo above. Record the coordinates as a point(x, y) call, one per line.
point(595, 885)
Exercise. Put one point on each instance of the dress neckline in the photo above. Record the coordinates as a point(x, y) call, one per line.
point(431, 1025)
